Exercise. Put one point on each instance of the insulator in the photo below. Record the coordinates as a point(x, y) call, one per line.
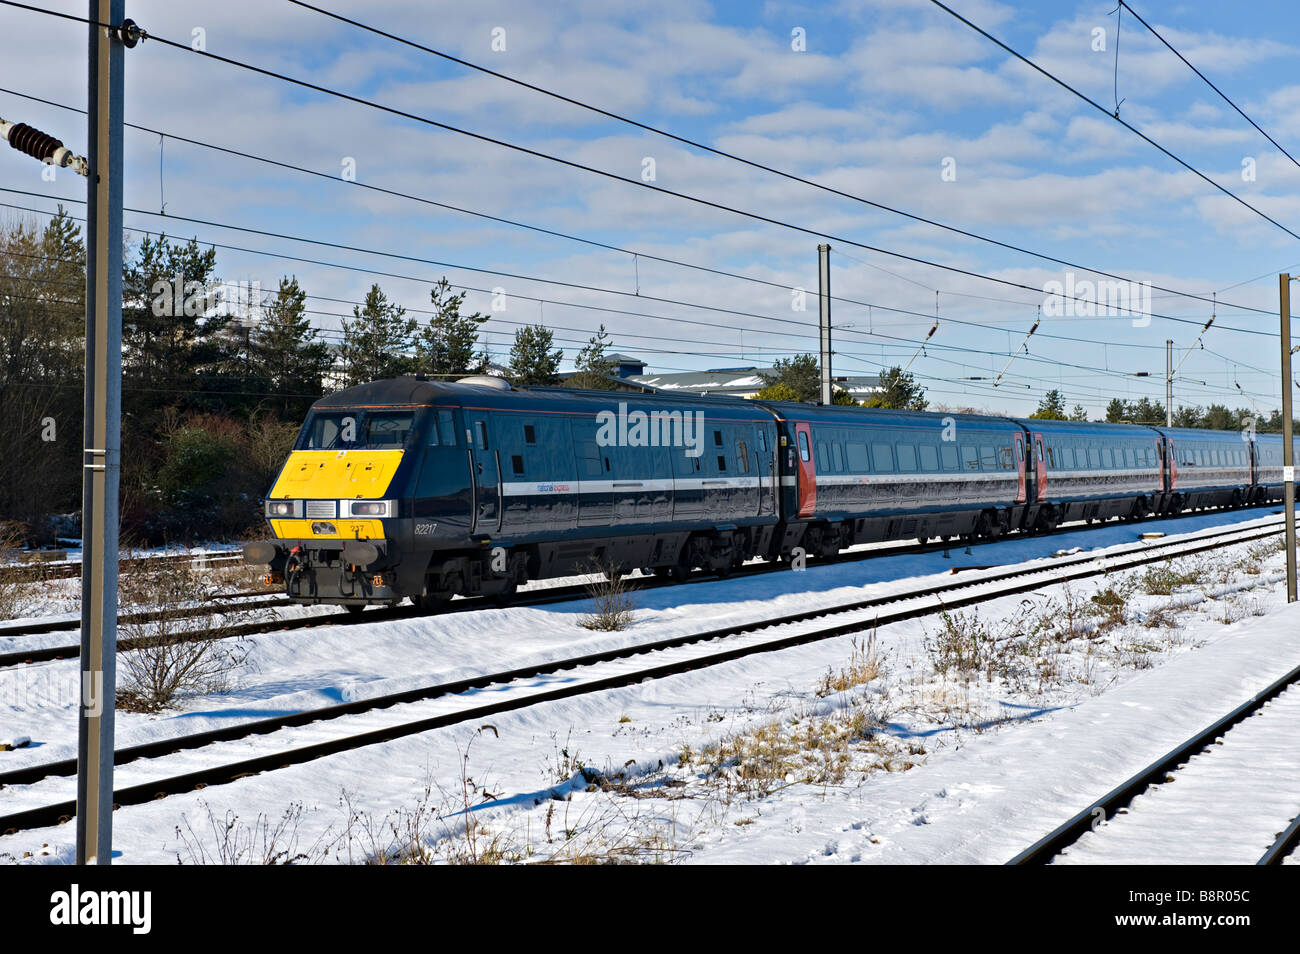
point(33, 142)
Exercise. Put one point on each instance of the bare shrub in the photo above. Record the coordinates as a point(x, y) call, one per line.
point(174, 655)
point(11, 590)
point(612, 603)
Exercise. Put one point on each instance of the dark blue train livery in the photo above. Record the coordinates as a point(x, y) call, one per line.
point(409, 488)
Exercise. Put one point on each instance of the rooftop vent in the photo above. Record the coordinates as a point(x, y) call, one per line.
point(485, 381)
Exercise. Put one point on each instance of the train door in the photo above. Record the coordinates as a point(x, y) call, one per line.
point(595, 482)
point(1169, 464)
point(765, 468)
point(1040, 466)
point(1024, 482)
point(486, 462)
point(807, 469)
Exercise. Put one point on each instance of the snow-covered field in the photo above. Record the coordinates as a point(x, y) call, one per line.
point(960, 740)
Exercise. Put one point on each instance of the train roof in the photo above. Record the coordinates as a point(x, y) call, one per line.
point(412, 391)
point(1085, 428)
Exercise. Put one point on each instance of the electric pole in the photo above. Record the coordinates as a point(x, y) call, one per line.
point(102, 460)
point(824, 300)
point(1169, 382)
point(1288, 449)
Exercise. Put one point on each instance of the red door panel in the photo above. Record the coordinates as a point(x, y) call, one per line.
point(1040, 465)
point(807, 470)
point(1020, 467)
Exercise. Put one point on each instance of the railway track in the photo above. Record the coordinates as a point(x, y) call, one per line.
point(609, 669)
point(1115, 803)
point(39, 572)
point(539, 597)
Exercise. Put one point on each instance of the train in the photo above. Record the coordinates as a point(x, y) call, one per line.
point(423, 490)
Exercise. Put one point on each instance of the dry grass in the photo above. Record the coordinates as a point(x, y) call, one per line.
point(865, 665)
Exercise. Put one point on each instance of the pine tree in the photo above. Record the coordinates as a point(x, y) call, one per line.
point(900, 392)
point(447, 344)
point(1051, 407)
point(1116, 411)
point(1079, 413)
point(531, 359)
point(594, 369)
point(289, 356)
point(377, 341)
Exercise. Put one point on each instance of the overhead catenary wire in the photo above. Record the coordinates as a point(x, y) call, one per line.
point(735, 312)
point(1102, 109)
point(569, 163)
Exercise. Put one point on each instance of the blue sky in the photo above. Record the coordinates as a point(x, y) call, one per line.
point(882, 95)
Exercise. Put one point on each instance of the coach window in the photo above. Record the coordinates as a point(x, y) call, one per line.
point(882, 458)
point(803, 446)
point(1094, 458)
point(837, 456)
point(969, 458)
point(1006, 461)
point(988, 461)
point(480, 430)
point(907, 458)
point(858, 457)
point(530, 434)
point(929, 458)
point(948, 454)
point(516, 463)
point(717, 438)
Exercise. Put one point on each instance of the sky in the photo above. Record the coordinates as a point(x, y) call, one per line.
point(892, 101)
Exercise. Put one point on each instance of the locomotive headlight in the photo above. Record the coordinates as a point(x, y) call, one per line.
point(372, 508)
point(283, 508)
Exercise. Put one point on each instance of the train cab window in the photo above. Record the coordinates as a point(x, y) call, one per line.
point(480, 434)
point(882, 458)
point(837, 457)
point(929, 458)
point(803, 446)
point(446, 428)
point(388, 429)
point(969, 458)
point(516, 463)
point(906, 458)
point(530, 434)
point(948, 454)
point(857, 457)
point(742, 456)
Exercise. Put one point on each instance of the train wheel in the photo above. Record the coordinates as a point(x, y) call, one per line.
point(354, 609)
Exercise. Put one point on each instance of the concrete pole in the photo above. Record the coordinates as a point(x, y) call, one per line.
point(1288, 449)
point(1169, 383)
point(102, 435)
point(824, 297)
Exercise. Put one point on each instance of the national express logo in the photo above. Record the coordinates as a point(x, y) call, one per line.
point(626, 428)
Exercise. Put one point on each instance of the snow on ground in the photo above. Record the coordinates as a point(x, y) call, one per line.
point(914, 764)
point(1227, 805)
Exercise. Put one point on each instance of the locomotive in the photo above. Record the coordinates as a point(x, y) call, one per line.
point(415, 489)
